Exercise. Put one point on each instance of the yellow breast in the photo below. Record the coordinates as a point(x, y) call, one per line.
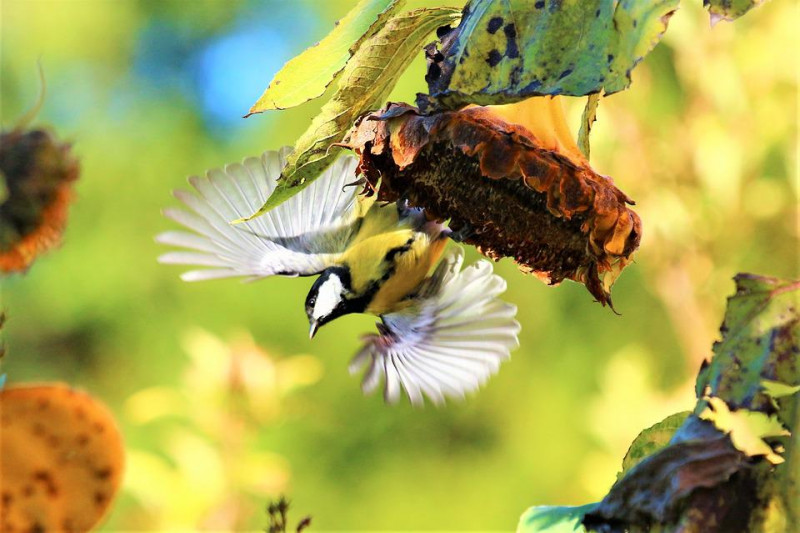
point(407, 258)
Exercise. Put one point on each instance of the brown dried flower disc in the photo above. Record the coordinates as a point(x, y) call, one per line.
point(61, 459)
point(554, 215)
point(36, 175)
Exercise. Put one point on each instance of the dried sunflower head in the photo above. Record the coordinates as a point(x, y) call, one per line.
point(554, 215)
point(36, 175)
point(63, 458)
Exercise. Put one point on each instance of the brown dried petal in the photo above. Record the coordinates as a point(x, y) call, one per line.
point(556, 217)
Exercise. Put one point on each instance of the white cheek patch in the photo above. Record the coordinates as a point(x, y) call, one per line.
point(329, 295)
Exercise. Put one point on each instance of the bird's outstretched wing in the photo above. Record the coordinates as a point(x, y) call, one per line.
point(296, 238)
point(448, 343)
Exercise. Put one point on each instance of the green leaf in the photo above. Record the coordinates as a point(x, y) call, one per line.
point(504, 51)
point(651, 440)
point(307, 75)
point(365, 83)
point(553, 519)
point(790, 476)
point(679, 474)
point(587, 119)
point(729, 9)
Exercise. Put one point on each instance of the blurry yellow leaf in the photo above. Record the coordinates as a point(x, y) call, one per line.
point(62, 459)
point(223, 371)
point(307, 75)
point(173, 497)
point(264, 473)
point(151, 480)
point(207, 378)
point(365, 83)
point(776, 389)
point(747, 428)
point(153, 403)
point(298, 371)
point(200, 465)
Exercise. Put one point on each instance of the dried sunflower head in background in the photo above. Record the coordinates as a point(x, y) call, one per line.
point(36, 175)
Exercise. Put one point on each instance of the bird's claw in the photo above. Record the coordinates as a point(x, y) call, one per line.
point(466, 231)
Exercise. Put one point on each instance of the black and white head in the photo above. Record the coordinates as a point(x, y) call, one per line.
point(328, 298)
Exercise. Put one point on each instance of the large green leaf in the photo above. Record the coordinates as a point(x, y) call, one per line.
point(554, 519)
point(733, 464)
point(365, 83)
point(729, 9)
point(756, 367)
point(755, 371)
point(307, 75)
point(504, 51)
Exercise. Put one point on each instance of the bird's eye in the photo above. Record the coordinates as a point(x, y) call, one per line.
point(312, 301)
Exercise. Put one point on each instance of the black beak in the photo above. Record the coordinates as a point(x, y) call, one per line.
point(313, 329)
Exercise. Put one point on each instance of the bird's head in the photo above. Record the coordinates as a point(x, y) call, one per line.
point(327, 298)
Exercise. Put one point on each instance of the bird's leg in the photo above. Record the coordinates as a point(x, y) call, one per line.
point(360, 182)
point(466, 231)
point(402, 206)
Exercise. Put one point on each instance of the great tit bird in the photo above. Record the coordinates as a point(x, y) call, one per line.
point(440, 335)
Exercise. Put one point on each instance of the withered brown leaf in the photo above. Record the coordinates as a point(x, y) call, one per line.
point(556, 217)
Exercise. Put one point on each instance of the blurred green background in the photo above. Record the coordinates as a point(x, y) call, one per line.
point(225, 403)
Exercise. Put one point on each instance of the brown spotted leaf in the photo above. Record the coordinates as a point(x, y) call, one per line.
point(553, 215)
point(61, 459)
point(760, 339)
point(504, 51)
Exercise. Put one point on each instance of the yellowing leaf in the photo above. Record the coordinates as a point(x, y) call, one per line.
point(61, 461)
point(776, 389)
point(365, 83)
point(729, 9)
point(747, 428)
point(307, 75)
